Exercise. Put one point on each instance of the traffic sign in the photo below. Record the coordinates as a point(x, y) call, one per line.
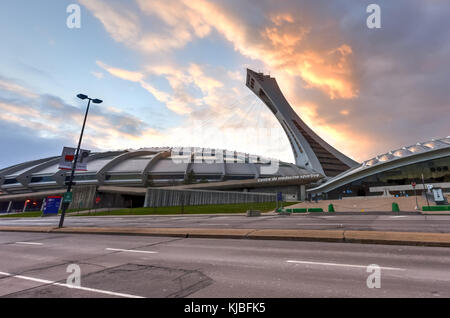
point(68, 156)
point(413, 184)
point(279, 196)
point(52, 204)
point(67, 197)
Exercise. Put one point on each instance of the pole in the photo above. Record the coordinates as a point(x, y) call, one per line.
point(69, 186)
point(426, 197)
point(415, 194)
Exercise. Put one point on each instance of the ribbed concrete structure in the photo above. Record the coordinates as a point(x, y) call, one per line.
point(147, 167)
point(310, 151)
point(394, 159)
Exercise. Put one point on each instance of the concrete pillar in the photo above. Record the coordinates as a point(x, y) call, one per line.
point(147, 199)
point(9, 207)
point(43, 204)
point(301, 193)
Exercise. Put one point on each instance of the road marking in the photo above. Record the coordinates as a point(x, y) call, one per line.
point(353, 224)
point(343, 265)
point(399, 216)
point(215, 224)
point(28, 243)
point(49, 282)
point(131, 251)
point(316, 224)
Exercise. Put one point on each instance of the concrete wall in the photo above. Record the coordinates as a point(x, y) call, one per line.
point(158, 197)
point(290, 193)
point(370, 203)
point(83, 197)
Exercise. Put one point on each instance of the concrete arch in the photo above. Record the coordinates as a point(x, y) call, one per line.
point(101, 173)
point(25, 177)
point(152, 163)
point(60, 176)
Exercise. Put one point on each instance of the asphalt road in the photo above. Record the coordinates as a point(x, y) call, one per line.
point(35, 265)
point(410, 223)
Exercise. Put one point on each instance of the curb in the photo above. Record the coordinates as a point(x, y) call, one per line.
point(339, 236)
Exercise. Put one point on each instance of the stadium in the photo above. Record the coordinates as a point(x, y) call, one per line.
point(136, 177)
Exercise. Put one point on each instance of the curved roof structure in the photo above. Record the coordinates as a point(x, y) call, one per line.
point(309, 149)
point(145, 167)
point(421, 151)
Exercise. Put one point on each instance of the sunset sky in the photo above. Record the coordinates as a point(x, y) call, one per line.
point(172, 73)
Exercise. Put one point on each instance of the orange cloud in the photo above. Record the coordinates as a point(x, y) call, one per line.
point(283, 43)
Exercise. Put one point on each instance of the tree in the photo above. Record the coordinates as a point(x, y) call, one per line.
point(190, 177)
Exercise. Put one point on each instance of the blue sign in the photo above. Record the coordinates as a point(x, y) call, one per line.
point(52, 205)
point(279, 196)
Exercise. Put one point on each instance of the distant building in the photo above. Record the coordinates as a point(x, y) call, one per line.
point(394, 172)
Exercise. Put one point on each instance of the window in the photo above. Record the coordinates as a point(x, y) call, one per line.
point(10, 181)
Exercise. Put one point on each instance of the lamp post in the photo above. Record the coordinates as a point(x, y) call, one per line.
point(69, 186)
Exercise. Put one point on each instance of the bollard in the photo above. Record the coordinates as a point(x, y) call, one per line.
point(331, 208)
point(395, 207)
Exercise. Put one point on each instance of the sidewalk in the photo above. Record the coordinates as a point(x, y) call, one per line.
point(341, 236)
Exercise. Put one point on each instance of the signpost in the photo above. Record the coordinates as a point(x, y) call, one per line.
point(68, 156)
point(279, 199)
point(67, 197)
point(52, 205)
point(438, 196)
point(415, 194)
point(426, 197)
point(83, 157)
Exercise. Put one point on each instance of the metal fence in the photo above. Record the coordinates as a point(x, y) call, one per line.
point(159, 197)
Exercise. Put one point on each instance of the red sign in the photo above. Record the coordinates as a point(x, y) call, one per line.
point(97, 199)
point(69, 158)
point(413, 184)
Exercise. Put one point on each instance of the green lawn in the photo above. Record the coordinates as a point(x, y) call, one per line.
point(199, 209)
point(31, 214)
point(22, 215)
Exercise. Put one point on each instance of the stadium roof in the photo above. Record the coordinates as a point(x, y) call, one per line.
point(146, 167)
point(421, 151)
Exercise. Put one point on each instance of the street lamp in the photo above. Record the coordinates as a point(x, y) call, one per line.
point(69, 186)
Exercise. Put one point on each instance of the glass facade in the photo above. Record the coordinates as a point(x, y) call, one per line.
point(434, 171)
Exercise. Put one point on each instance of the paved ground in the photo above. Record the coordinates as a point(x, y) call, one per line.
point(402, 223)
point(35, 265)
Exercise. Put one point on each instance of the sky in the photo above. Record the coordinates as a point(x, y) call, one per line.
point(172, 73)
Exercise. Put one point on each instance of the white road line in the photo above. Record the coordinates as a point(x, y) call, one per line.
point(314, 224)
point(399, 216)
point(29, 220)
point(343, 265)
point(131, 251)
point(28, 243)
point(215, 224)
point(351, 224)
point(49, 282)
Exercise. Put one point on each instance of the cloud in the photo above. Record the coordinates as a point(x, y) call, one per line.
point(118, 20)
point(180, 99)
point(98, 75)
point(121, 73)
point(49, 117)
point(365, 91)
point(279, 44)
point(14, 88)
